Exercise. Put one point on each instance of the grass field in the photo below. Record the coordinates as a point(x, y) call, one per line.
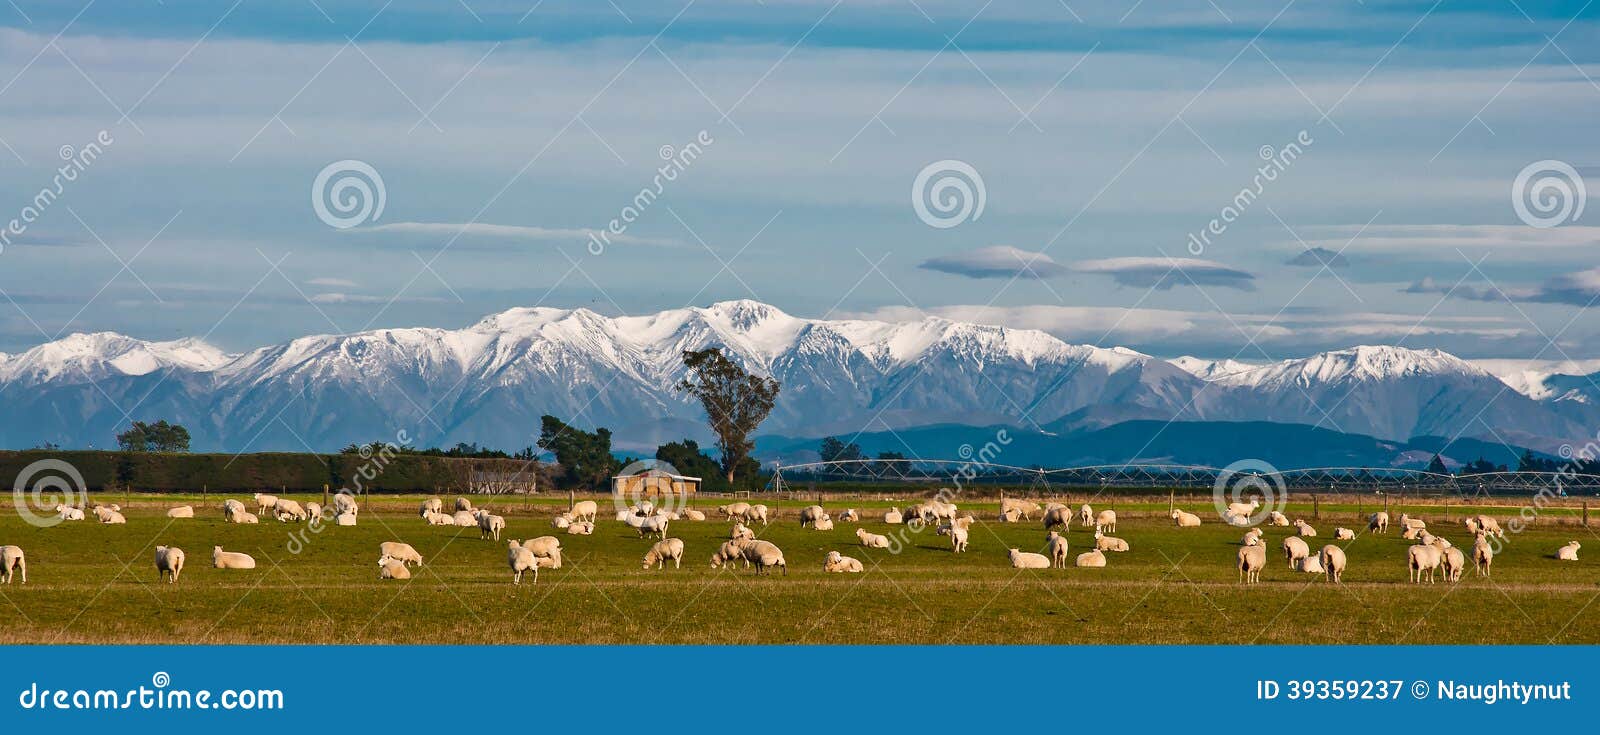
point(91, 583)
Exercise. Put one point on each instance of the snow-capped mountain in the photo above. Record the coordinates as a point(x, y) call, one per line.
point(491, 381)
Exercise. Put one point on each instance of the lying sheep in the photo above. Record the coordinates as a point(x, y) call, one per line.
point(182, 511)
point(440, 519)
point(1412, 534)
point(585, 510)
point(839, 564)
point(1091, 558)
point(1333, 562)
point(561, 521)
point(1274, 518)
point(690, 514)
point(1343, 534)
point(1109, 543)
point(169, 563)
point(1028, 560)
point(1294, 550)
point(1304, 529)
point(1378, 522)
point(288, 510)
point(1454, 563)
point(1310, 565)
point(432, 505)
point(464, 504)
point(1057, 517)
point(811, 514)
point(1185, 519)
point(265, 502)
point(464, 518)
point(581, 528)
point(663, 550)
point(1018, 507)
point(399, 551)
point(1106, 521)
point(490, 526)
point(12, 562)
point(1057, 545)
point(231, 559)
point(245, 516)
point(823, 524)
point(1482, 555)
point(106, 515)
point(849, 516)
point(1253, 537)
point(893, 517)
point(1569, 552)
point(872, 540)
point(343, 519)
point(1407, 522)
point(392, 568)
point(69, 513)
point(1252, 559)
point(1421, 558)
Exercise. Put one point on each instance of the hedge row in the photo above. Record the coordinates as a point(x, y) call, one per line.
point(293, 472)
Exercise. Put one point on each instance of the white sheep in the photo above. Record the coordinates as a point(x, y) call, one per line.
point(169, 563)
point(1490, 526)
point(840, 564)
point(1253, 537)
point(958, 539)
point(1185, 519)
point(734, 511)
point(690, 514)
point(822, 524)
point(1243, 511)
point(490, 526)
point(12, 561)
point(663, 550)
point(69, 513)
point(313, 510)
point(343, 519)
point(1333, 562)
point(758, 512)
point(741, 531)
point(1109, 543)
point(105, 514)
point(1407, 522)
point(439, 519)
point(850, 515)
point(392, 568)
point(1412, 534)
point(1378, 522)
point(265, 502)
point(1028, 560)
point(1343, 534)
point(521, 560)
point(182, 511)
point(1304, 529)
point(245, 516)
point(764, 555)
point(1106, 521)
point(231, 508)
point(1057, 544)
point(464, 504)
point(893, 517)
point(1482, 555)
point(464, 518)
point(288, 510)
point(1453, 561)
point(1294, 549)
point(548, 547)
point(581, 528)
point(344, 503)
point(1274, 518)
point(1010, 515)
point(400, 551)
point(1057, 517)
point(585, 510)
point(561, 521)
point(1569, 552)
point(1018, 507)
point(1092, 558)
point(1085, 515)
point(1311, 565)
point(729, 552)
point(431, 505)
point(811, 514)
point(872, 540)
point(231, 559)
point(1252, 559)
point(1471, 522)
point(652, 525)
point(1422, 557)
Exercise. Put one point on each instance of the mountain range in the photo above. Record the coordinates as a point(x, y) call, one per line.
point(490, 382)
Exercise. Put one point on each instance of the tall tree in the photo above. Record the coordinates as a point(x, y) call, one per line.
point(735, 402)
point(585, 457)
point(157, 437)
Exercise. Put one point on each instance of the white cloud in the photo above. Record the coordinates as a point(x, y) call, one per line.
point(479, 234)
point(998, 261)
point(1164, 273)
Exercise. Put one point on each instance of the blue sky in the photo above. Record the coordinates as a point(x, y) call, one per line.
point(1105, 133)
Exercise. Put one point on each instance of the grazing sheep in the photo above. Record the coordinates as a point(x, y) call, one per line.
point(763, 555)
point(1422, 557)
point(1310, 565)
point(1018, 507)
point(1471, 522)
point(1294, 549)
point(1569, 552)
point(265, 502)
point(1490, 526)
point(464, 504)
point(581, 528)
point(1085, 515)
point(729, 552)
point(1275, 518)
point(585, 510)
point(824, 524)
point(439, 519)
point(169, 563)
point(1482, 555)
point(690, 514)
point(1109, 543)
point(1378, 522)
point(490, 525)
point(288, 510)
point(1252, 559)
point(893, 517)
point(1304, 529)
point(811, 514)
point(1185, 519)
point(1106, 520)
point(734, 511)
point(1454, 563)
point(521, 560)
point(182, 511)
point(758, 512)
point(105, 514)
point(391, 568)
point(399, 551)
point(231, 559)
point(1091, 558)
point(872, 540)
point(314, 510)
point(1253, 537)
point(1057, 544)
point(1407, 522)
point(741, 531)
point(1343, 534)
point(1057, 517)
point(343, 519)
point(12, 561)
point(69, 513)
point(958, 539)
point(837, 563)
point(1028, 560)
point(663, 550)
point(1333, 562)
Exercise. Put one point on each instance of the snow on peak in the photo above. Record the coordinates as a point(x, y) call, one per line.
point(1363, 363)
point(1210, 369)
point(105, 353)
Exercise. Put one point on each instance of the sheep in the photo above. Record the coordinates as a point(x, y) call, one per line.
point(581, 528)
point(1185, 519)
point(1411, 534)
point(585, 510)
point(1304, 529)
point(400, 551)
point(1057, 517)
point(825, 524)
point(1569, 552)
point(1490, 526)
point(288, 510)
point(729, 552)
point(106, 515)
point(69, 513)
point(1252, 559)
point(624, 515)
point(652, 525)
point(690, 514)
point(1091, 558)
point(1253, 537)
point(548, 547)
point(1010, 515)
point(561, 521)
point(1310, 565)
point(182, 511)
point(345, 503)
point(893, 517)
point(1343, 534)
point(1407, 522)
point(438, 519)
point(811, 514)
point(741, 531)
point(1422, 557)
point(465, 518)
point(958, 539)
point(1333, 562)
point(343, 519)
point(1275, 518)
point(734, 511)
point(1106, 521)
point(663, 550)
point(392, 568)
point(850, 515)
point(1454, 563)
point(521, 560)
point(1028, 560)
point(872, 540)
point(464, 504)
point(1482, 555)
point(1243, 511)
point(1109, 543)
point(1423, 537)
point(1019, 507)
point(265, 502)
point(1378, 522)
point(431, 505)
point(840, 564)
point(231, 559)
point(231, 506)
point(313, 510)
point(1471, 522)
point(491, 525)
point(1057, 544)
point(758, 512)
point(12, 561)
point(245, 516)
point(763, 555)
point(1294, 549)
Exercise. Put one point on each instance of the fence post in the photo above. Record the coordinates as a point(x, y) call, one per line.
point(1586, 514)
point(324, 494)
point(1316, 509)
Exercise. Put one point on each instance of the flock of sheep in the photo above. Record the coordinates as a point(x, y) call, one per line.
point(1430, 554)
